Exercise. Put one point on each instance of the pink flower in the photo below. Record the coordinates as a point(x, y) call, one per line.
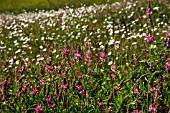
point(3, 67)
point(21, 69)
point(137, 111)
point(49, 101)
point(103, 56)
point(64, 85)
point(35, 91)
point(48, 68)
point(152, 89)
point(167, 64)
point(100, 103)
point(48, 59)
point(40, 64)
point(149, 38)
point(117, 46)
point(38, 109)
point(65, 52)
point(24, 53)
point(78, 56)
point(114, 68)
point(152, 108)
point(136, 91)
point(148, 11)
point(40, 73)
point(127, 72)
point(89, 43)
point(42, 82)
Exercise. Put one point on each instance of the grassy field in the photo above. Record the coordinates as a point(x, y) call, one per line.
point(18, 5)
point(92, 59)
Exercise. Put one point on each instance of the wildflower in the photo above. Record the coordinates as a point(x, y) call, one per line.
point(127, 72)
point(65, 52)
point(148, 11)
point(82, 93)
point(167, 64)
point(103, 56)
point(136, 91)
point(49, 102)
point(152, 108)
point(56, 92)
point(35, 91)
point(17, 62)
point(42, 82)
point(152, 89)
point(78, 56)
point(100, 103)
point(64, 85)
point(114, 68)
point(3, 67)
point(38, 109)
point(167, 43)
point(80, 89)
point(156, 8)
point(149, 38)
point(48, 59)
point(137, 111)
point(110, 63)
point(48, 68)
point(40, 74)
point(153, 46)
point(21, 69)
point(117, 46)
point(81, 76)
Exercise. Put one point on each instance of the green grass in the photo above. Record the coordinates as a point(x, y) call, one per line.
point(17, 6)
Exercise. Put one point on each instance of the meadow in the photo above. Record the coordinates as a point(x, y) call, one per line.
point(107, 58)
point(19, 6)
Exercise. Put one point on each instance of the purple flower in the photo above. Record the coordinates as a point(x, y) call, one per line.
point(149, 38)
point(102, 54)
point(167, 43)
